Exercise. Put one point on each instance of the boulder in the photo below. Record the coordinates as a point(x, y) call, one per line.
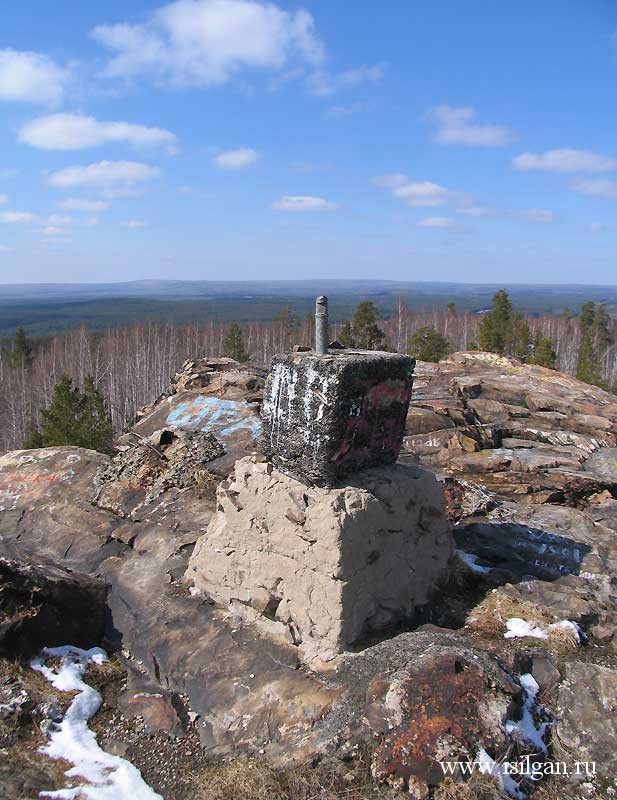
point(45, 605)
point(330, 564)
point(586, 729)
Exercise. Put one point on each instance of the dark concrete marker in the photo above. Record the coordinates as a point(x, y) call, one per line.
point(325, 417)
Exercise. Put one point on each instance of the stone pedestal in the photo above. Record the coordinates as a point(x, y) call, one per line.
point(327, 565)
point(327, 417)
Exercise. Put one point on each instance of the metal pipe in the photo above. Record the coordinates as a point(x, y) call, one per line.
point(321, 325)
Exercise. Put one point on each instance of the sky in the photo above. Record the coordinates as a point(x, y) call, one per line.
point(454, 140)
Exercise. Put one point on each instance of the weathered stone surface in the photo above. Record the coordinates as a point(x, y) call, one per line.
point(219, 396)
point(540, 435)
point(45, 605)
point(444, 706)
point(146, 468)
point(587, 716)
point(326, 417)
point(332, 565)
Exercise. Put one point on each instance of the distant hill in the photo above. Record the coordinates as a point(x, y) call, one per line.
point(47, 308)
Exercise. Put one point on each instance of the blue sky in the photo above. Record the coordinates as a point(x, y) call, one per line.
point(233, 139)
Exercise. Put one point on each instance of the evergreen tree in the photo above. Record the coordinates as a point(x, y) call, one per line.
point(521, 336)
point(429, 345)
point(365, 331)
point(75, 418)
point(543, 354)
point(595, 338)
point(95, 426)
point(451, 307)
point(34, 439)
point(22, 353)
point(496, 327)
point(346, 335)
point(233, 346)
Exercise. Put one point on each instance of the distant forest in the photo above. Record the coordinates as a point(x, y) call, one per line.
point(132, 365)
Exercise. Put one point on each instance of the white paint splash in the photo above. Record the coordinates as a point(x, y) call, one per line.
point(472, 562)
point(107, 777)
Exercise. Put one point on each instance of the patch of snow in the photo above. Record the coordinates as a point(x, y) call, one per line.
point(569, 626)
point(527, 729)
point(517, 627)
point(471, 560)
point(489, 766)
point(107, 777)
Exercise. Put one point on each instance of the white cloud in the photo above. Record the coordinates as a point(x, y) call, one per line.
point(3, 199)
point(565, 160)
point(323, 84)
point(207, 42)
point(76, 132)
point(135, 223)
point(457, 126)
point(236, 159)
point(541, 215)
point(391, 180)
point(423, 193)
point(303, 203)
point(53, 230)
point(113, 178)
point(476, 211)
point(91, 222)
point(602, 227)
point(58, 219)
point(17, 217)
point(31, 78)
point(4, 249)
point(596, 187)
point(438, 222)
point(339, 112)
point(77, 204)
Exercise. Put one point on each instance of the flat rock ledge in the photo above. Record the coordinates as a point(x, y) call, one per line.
point(324, 566)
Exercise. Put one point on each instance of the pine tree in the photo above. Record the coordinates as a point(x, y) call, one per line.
point(34, 439)
point(544, 354)
point(496, 328)
point(95, 425)
point(429, 345)
point(595, 338)
point(521, 336)
point(22, 353)
point(346, 335)
point(366, 333)
point(80, 419)
point(233, 346)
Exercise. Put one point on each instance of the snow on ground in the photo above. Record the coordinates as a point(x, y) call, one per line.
point(489, 766)
point(107, 777)
point(516, 627)
point(527, 729)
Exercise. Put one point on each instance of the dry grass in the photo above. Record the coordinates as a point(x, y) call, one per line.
point(490, 616)
point(205, 484)
point(478, 787)
point(248, 779)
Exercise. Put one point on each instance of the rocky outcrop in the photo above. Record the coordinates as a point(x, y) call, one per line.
point(219, 396)
point(587, 719)
point(523, 432)
point(45, 605)
point(525, 456)
point(330, 566)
